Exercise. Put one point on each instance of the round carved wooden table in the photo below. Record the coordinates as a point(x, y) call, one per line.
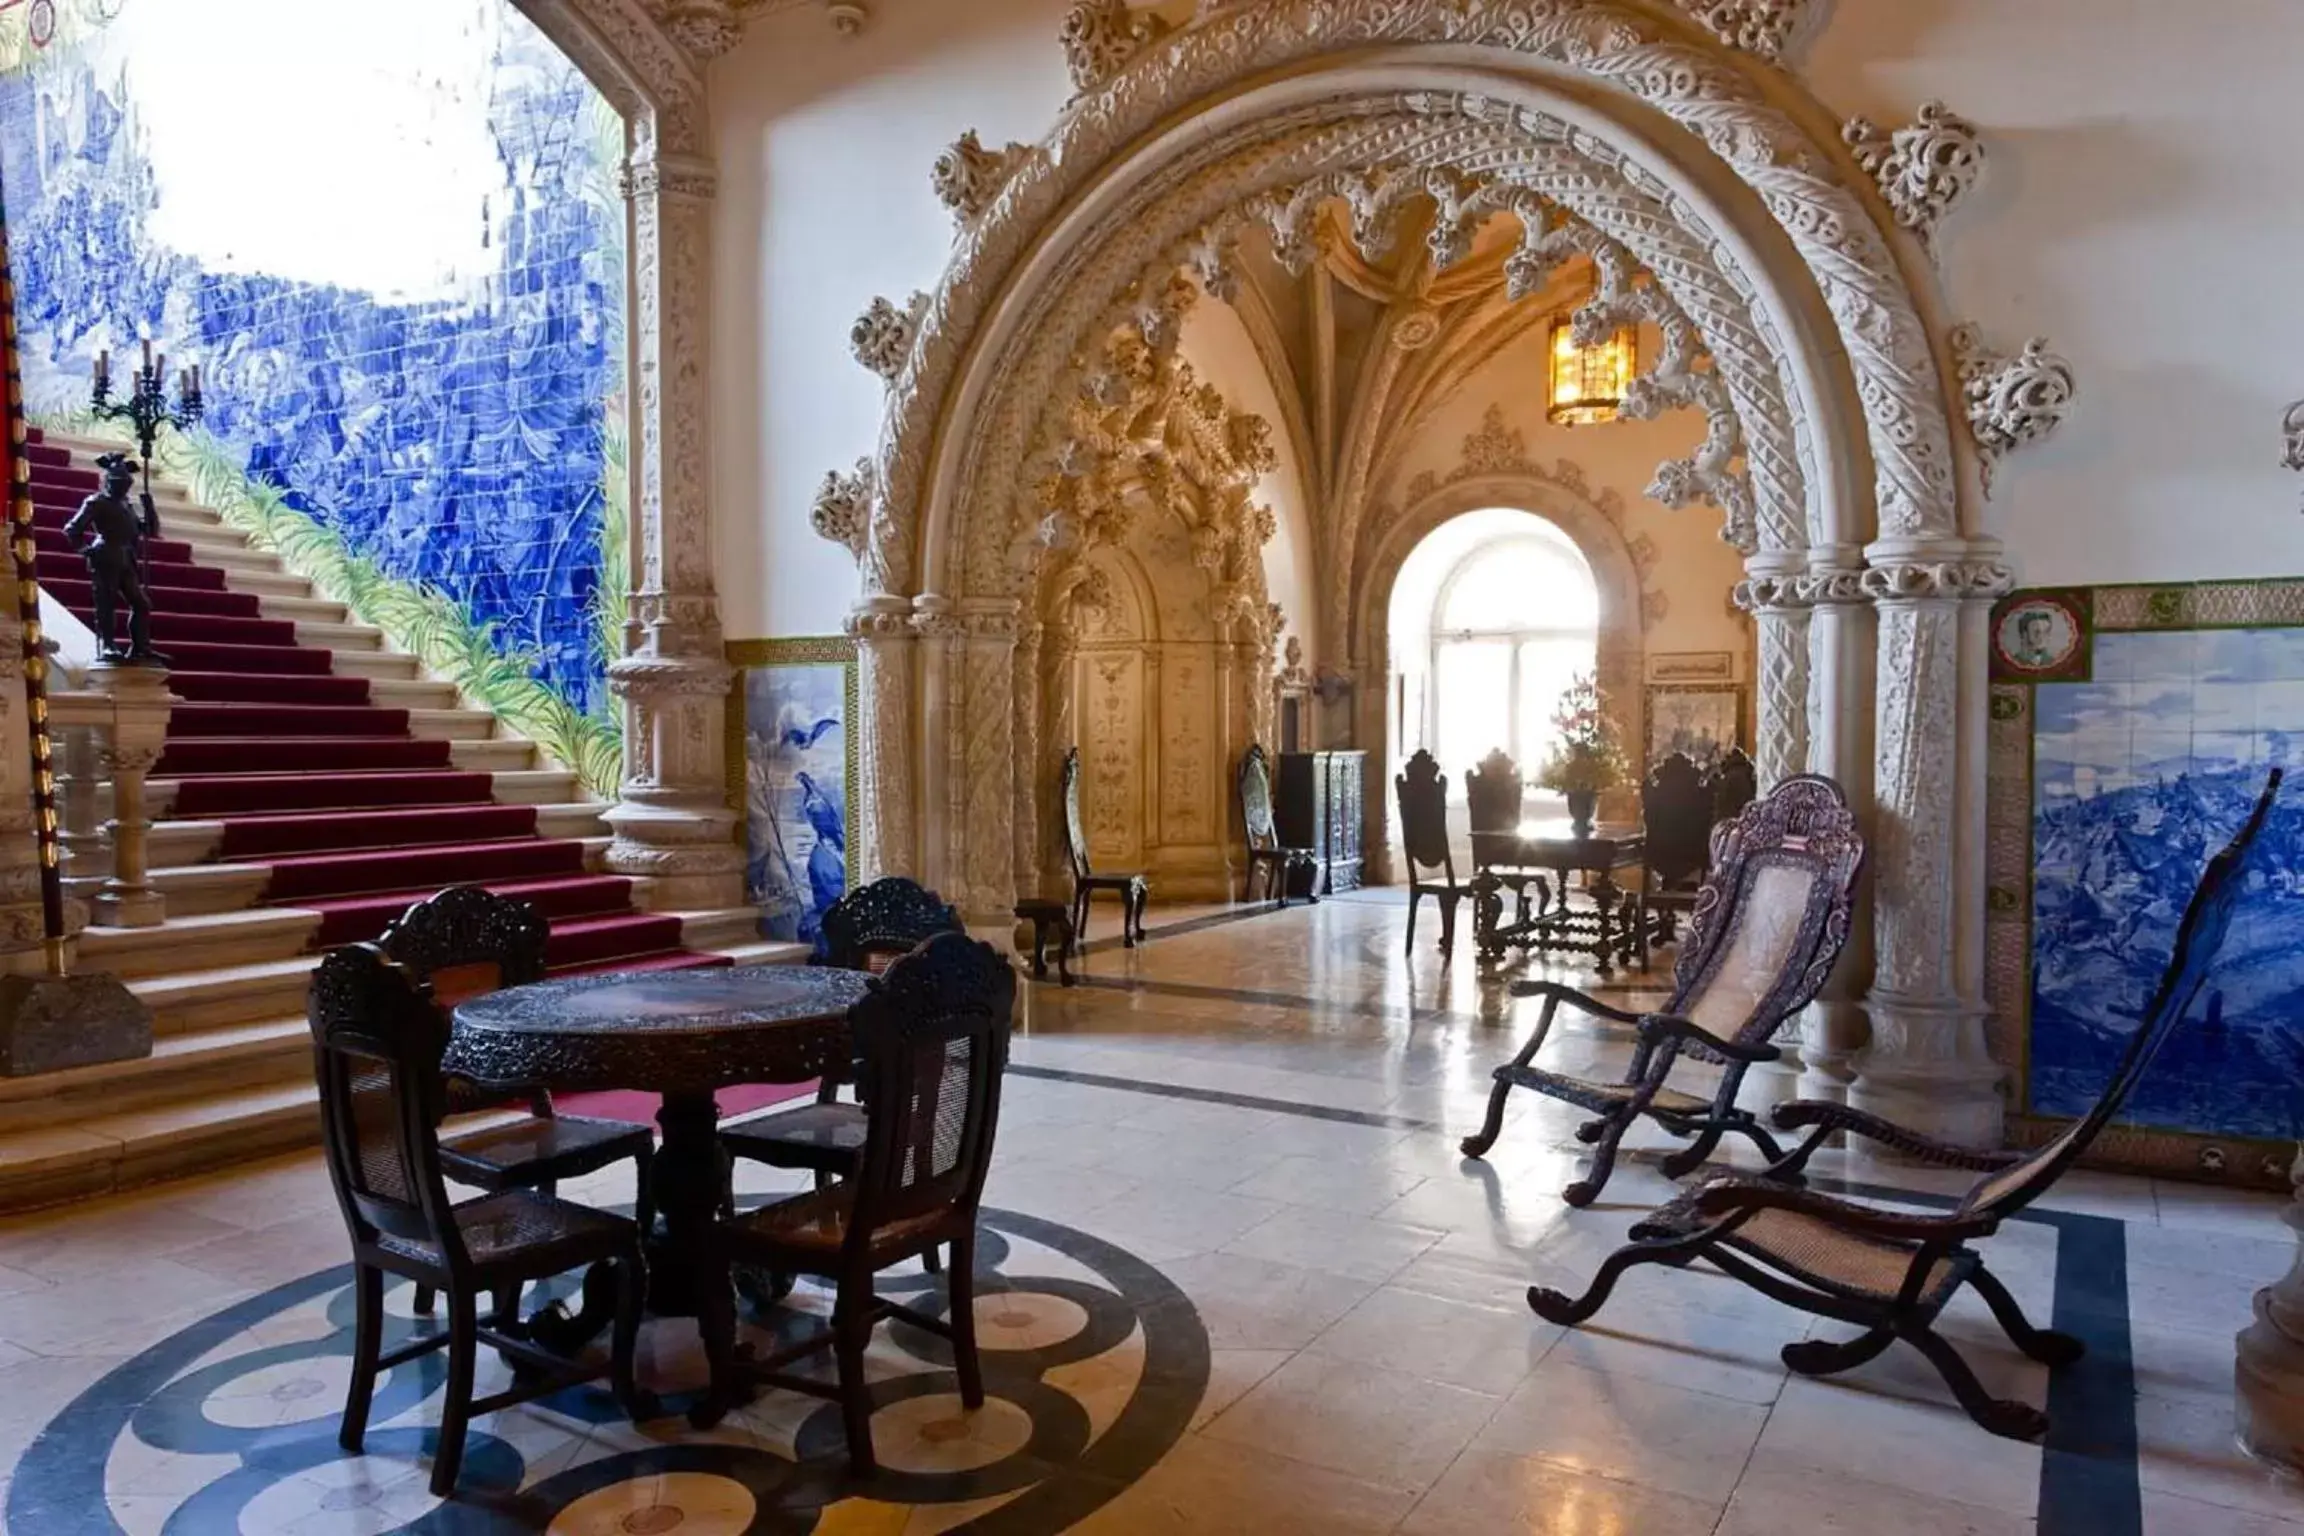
point(683, 1035)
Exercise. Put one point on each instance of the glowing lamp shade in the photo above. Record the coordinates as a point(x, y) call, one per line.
point(1588, 383)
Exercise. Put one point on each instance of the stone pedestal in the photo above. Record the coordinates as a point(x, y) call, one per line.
point(48, 1023)
point(2268, 1374)
point(140, 707)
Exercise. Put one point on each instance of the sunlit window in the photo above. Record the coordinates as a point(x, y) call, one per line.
point(1516, 619)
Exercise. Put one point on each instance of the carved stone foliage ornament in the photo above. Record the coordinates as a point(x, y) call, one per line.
point(967, 177)
point(1100, 38)
point(1758, 27)
point(2292, 431)
point(843, 507)
point(2011, 400)
point(882, 336)
point(709, 28)
point(1923, 169)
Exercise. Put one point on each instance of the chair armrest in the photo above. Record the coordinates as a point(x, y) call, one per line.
point(1742, 1196)
point(1657, 1028)
point(1830, 1117)
point(1591, 1005)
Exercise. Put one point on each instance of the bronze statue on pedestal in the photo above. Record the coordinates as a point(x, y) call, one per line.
point(109, 530)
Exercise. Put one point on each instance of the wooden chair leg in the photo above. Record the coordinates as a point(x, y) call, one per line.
point(456, 1401)
point(851, 1333)
point(1587, 1189)
point(1691, 1157)
point(424, 1301)
point(1824, 1357)
point(1448, 923)
point(644, 1193)
point(2002, 1416)
point(2045, 1345)
point(1478, 1143)
point(1415, 898)
point(716, 1324)
point(367, 1344)
point(1558, 1307)
point(624, 1343)
point(932, 1262)
point(960, 1286)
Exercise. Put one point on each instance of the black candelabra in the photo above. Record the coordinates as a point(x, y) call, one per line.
point(146, 409)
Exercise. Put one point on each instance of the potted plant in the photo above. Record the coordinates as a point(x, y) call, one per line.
point(1586, 757)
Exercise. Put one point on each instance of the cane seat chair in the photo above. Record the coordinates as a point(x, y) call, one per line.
point(1132, 889)
point(1494, 793)
point(1421, 791)
point(377, 1040)
point(1278, 864)
point(865, 930)
point(1890, 1272)
point(1766, 928)
point(461, 943)
point(932, 1043)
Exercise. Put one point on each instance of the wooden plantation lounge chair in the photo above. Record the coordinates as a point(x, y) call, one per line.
point(1422, 791)
point(1766, 928)
point(1892, 1272)
point(1132, 889)
point(1279, 865)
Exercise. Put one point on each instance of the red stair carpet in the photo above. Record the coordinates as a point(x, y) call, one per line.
point(354, 815)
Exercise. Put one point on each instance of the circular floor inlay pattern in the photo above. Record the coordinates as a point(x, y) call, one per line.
point(246, 1404)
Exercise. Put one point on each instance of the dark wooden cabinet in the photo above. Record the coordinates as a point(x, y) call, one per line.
point(1317, 805)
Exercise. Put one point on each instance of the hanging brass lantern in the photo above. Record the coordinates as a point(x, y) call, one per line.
point(1589, 383)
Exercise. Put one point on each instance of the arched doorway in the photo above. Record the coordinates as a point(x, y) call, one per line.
point(1708, 207)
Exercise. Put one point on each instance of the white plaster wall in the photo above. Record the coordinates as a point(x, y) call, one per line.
point(1216, 344)
point(2139, 211)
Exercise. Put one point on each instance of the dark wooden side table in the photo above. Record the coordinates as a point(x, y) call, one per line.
point(683, 1035)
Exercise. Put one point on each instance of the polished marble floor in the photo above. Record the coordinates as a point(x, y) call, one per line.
point(1245, 1284)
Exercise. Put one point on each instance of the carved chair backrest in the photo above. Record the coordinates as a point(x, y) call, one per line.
point(377, 1038)
point(1735, 783)
point(1770, 919)
point(462, 943)
point(1493, 792)
point(2199, 936)
point(932, 1044)
point(1422, 791)
point(866, 929)
point(1075, 831)
point(1256, 798)
point(1676, 815)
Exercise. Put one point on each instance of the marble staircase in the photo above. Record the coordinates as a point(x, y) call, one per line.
point(229, 1078)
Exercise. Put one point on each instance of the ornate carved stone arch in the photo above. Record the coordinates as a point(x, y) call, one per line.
point(1713, 169)
point(673, 829)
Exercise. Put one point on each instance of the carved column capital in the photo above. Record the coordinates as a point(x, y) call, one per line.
point(665, 174)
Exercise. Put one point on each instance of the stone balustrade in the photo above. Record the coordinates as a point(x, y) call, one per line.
point(106, 736)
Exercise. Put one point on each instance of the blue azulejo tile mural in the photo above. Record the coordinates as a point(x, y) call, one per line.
point(390, 236)
point(797, 702)
point(2143, 765)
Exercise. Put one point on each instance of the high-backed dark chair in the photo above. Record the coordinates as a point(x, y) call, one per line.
point(1278, 864)
point(1735, 783)
point(931, 1043)
point(1494, 793)
point(1767, 927)
point(865, 930)
point(1133, 890)
point(461, 943)
point(1421, 790)
point(1676, 816)
point(1892, 1272)
point(377, 1039)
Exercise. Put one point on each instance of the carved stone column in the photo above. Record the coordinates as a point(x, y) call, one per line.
point(675, 832)
point(1782, 712)
point(887, 780)
point(140, 707)
point(21, 923)
point(1842, 654)
point(943, 784)
point(987, 761)
point(1927, 1065)
point(1060, 651)
point(1024, 814)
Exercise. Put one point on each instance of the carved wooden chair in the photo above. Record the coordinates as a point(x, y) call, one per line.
point(1278, 864)
point(461, 943)
point(1422, 792)
point(1493, 795)
point(1892, 1272)
point(377, 1039)
point(1133, 889)
point(865, 930)
point(1767, 926)
point(1676, 815)
point(1735, 783)
point(932, 1043)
